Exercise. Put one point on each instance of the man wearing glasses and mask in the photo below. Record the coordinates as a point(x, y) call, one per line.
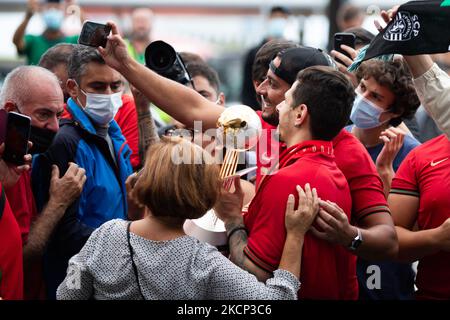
point(35, 92)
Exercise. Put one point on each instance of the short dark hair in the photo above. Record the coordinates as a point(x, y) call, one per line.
point(190, 57)
point(266, 54)
point(362, 36)
point(205, 71)
point(56, 55)
point(395, 76)
point(348, 12)
point(80, 58)
point(280, 9)
point(329, 96)
point(293, 60)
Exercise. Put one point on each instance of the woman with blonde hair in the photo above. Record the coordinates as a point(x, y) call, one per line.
point(153, 258)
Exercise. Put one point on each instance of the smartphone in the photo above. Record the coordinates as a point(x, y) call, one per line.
point(3, 124)
point(16, 139)
point(343, 38)
point(94, 34)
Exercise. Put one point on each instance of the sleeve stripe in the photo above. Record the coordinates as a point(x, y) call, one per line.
point(373, 209)
point(373, 212)
point(260, 263)
point(413, 193)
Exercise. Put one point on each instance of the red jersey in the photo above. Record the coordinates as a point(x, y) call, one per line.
point(11, 268)
point(127, 120)
point(425, 173)
point(351, 158)
point(268, 150)
point(328, 271)
point(358, 168)
point(23, 205)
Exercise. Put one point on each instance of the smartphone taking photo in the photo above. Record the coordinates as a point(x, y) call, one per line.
point(345, 38)
point(3, 124)
point(17, 134)
point(94, 34)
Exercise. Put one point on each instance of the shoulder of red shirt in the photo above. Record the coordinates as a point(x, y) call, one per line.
point(436, 150)
point(359, 169)
point(11, 266)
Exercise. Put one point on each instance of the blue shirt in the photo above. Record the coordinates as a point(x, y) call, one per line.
point(409, 143)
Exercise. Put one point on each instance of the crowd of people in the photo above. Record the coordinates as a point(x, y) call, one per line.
point(345, 184)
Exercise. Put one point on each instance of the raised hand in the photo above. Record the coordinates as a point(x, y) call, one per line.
point(347, 62)
point(393, 141)
point(387, 16)
point(115, 54)
point(10, 173)
point(229, 205)
point(32, 7)
point(65, 190)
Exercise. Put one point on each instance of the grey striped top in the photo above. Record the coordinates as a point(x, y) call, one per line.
point(182, 268)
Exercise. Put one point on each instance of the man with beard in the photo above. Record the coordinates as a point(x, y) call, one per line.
point(375, 236)
point(35, 92)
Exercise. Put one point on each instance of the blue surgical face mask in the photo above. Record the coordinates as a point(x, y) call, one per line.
point(365, 114)
point(53, 18)
point(276, 27)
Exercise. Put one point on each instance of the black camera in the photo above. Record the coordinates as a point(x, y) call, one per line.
point(162, 58)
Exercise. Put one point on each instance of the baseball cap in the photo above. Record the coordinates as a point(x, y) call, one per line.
point(294, 60)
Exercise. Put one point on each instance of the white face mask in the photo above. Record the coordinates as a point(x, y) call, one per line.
point(102, 108)
point(276, 27)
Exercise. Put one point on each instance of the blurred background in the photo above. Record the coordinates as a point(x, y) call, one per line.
point(220, 31)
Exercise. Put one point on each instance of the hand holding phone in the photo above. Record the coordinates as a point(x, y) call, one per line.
point(94, 34)
point(347, 39)
point(18, 130)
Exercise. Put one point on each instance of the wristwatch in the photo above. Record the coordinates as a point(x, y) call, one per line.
point(356, 242)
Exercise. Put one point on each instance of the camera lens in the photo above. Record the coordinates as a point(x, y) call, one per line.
point(159, 56)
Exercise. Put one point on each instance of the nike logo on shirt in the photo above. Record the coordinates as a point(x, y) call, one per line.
point(433, 164)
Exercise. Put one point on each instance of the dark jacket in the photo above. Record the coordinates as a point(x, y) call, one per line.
point(103, 197)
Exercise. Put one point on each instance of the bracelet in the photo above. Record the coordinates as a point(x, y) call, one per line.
point(232, 231)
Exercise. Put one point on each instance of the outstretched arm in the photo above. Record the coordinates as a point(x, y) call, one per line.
point(182, 103)
point(432, 84)
point(18, 38)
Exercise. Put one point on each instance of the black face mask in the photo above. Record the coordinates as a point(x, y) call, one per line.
point(41, 138)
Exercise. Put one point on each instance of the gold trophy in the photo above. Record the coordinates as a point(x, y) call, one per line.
point(239, 128)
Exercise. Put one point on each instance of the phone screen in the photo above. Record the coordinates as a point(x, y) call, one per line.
point(347, 39)
point(17, 135)
point(94, 34)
